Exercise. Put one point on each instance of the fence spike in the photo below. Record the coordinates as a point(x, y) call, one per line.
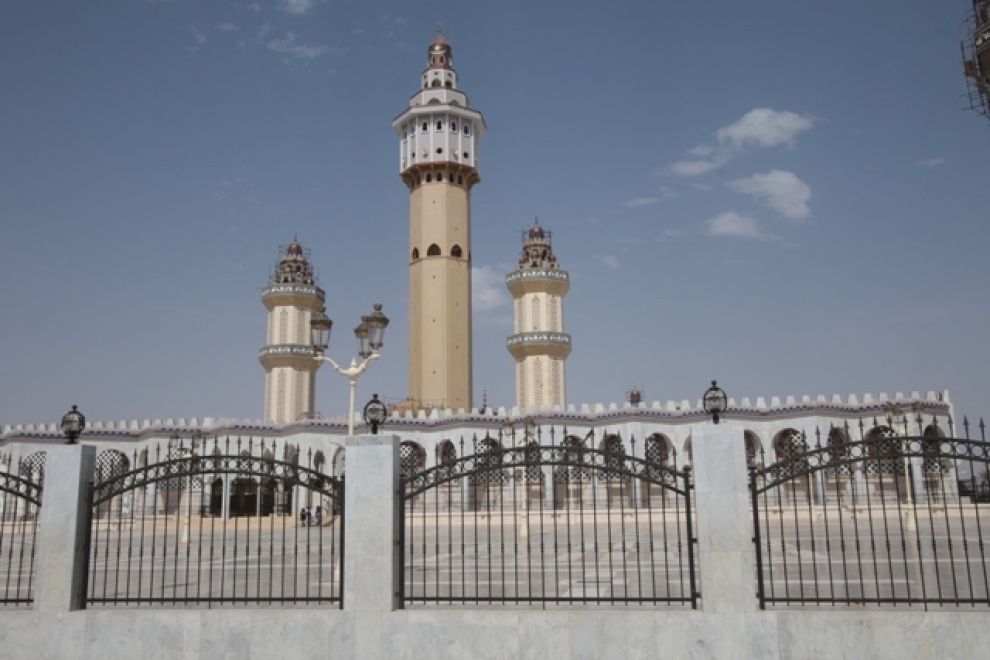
point(966, 426)
point(951, 426)
point(983, 430)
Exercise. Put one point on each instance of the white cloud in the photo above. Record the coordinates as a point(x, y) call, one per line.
point(254, 6)
point(733, 224)
point(488, 288)
point(667, 193)
point(228, 27)
point(760, 127)
point(640, 201)
point(930, 162)
point(765, 127)
point(781, 190)
point(701, 186)
point(695, 167)
point(298, 7)
point(610, 261)
point(290, 46)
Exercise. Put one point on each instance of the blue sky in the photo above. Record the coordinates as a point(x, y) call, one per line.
point(786, 196)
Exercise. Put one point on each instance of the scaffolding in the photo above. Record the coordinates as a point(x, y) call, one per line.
point(975, 48)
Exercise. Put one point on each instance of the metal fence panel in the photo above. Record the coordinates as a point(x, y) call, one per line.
point(890, 519)
point(546, 525)
point(214, 523)
point(20, 504)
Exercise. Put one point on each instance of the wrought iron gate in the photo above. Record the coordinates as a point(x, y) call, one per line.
point(546, 525)
point(213, 523)
point(892, 518)
point(20, 503)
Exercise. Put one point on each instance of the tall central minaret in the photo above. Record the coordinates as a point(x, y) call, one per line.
point(438, 159)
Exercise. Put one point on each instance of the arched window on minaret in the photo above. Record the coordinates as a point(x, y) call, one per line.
point(456, 251)
point(415, 254)
point(433, 250)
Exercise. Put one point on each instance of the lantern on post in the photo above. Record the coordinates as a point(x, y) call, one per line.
point(73, 423)
point(375, 413)
point(714, 402)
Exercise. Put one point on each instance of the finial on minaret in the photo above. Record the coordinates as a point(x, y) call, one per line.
point(439, 54)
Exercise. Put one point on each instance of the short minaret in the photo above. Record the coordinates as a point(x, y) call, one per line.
point(539, 345)
point(438, 159)
point(290, 370)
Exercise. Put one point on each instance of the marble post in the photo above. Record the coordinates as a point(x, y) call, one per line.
point(64, 516)
point(371, 521)
point(725, 522)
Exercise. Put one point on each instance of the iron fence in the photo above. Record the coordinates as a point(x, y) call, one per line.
point(893, 518)
point(20, 503)
point(212, 523)
point(546, 524)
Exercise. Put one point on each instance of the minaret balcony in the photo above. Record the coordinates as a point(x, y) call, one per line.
point(288, 355)
point(531, 280)
point(304, 295)
point(553, 344)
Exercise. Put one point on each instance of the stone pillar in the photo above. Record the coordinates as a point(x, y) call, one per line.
point(64, 518)
point(371, 523)
point(725, 522)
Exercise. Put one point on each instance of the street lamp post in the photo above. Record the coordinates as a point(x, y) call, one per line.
point(370, 335)
point(187, 452)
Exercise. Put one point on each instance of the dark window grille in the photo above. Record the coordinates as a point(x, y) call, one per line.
point(214, 523)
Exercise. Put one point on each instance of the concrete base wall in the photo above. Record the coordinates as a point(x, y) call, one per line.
point(278, 633)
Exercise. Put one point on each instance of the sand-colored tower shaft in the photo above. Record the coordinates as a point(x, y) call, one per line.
point(438, 154)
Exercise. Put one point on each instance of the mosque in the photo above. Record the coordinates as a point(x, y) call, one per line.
point(439, 136)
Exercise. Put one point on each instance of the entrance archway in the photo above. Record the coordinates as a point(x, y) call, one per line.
point(243, 497)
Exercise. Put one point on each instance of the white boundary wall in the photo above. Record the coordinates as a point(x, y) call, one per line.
point(728, 625)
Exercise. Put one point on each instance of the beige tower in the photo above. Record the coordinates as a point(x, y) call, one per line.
point(539, 345)
point(438, 159)
point(290, 370)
